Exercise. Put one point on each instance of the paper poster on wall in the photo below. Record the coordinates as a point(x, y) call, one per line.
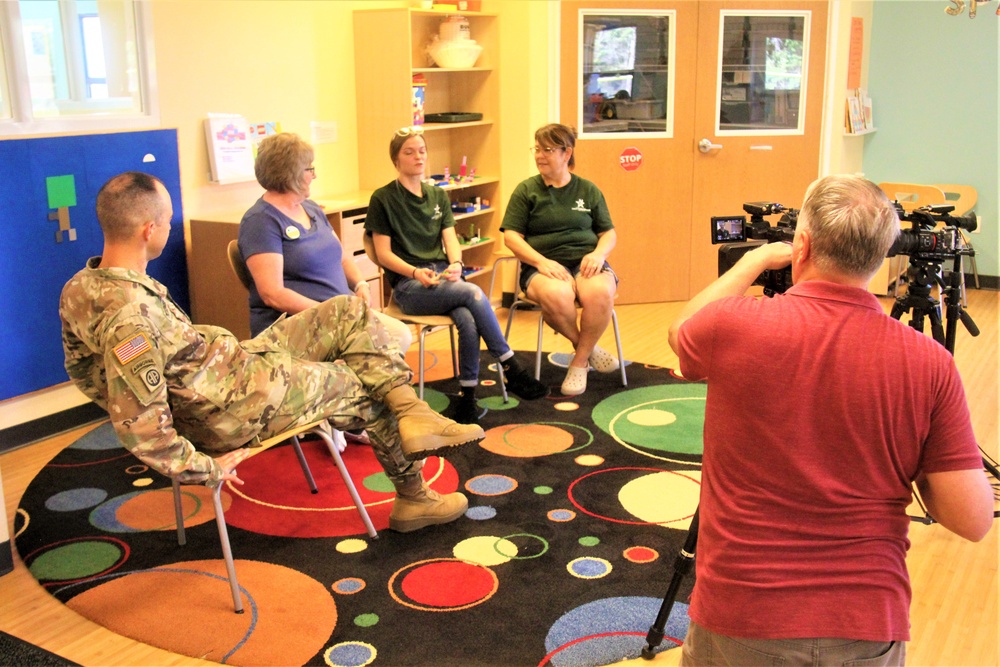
point(230, 148)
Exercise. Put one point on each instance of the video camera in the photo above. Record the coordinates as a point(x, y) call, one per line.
point(739, 236)
point(923, 243)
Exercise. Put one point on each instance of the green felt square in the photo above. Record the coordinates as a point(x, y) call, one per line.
point(61, 191)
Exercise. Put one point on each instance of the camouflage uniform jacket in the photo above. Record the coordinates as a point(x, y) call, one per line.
point(164, 381)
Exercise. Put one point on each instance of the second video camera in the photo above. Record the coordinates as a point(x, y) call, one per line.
point(739, 236)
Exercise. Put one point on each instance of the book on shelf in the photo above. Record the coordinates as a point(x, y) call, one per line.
point(858, 118)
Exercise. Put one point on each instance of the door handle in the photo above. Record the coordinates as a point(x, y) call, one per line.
point(706, 145)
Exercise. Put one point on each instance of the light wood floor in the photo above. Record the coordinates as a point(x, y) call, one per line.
point(954, 611)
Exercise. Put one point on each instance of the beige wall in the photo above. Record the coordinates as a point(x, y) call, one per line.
point(843, 153)
point(293, 62)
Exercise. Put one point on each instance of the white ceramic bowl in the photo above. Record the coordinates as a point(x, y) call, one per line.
point(456, 53)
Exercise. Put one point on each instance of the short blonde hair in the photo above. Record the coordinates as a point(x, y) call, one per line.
point(851, 222)
point(281, 163)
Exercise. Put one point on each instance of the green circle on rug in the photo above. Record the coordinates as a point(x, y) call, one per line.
point(436, 399)
point(496, 402)
point(662, 418)
point(378, 482)
point(72, 561)
point(366, 620)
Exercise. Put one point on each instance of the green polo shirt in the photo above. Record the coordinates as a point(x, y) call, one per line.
point(413, 223)
point(560, 223)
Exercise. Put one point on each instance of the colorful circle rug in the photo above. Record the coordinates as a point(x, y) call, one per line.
point(577, 509)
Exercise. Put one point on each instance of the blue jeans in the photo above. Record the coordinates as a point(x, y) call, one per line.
point(467, 306)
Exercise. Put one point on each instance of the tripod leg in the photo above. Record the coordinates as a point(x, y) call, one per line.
point(682, 566)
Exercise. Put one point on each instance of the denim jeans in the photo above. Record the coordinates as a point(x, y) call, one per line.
point(467, 306)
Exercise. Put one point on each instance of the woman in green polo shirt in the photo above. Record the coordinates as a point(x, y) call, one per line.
point(414, 235)
point(558, 225)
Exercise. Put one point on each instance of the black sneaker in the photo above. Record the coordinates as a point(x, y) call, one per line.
point(521, 382)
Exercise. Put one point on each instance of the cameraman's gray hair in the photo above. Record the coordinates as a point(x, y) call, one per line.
point(851, 222)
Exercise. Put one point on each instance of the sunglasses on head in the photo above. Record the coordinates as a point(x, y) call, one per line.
point(413, 130)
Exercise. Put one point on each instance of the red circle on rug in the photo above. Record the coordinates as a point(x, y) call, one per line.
point(443, 584)
point(275, 498)
point(447, 584)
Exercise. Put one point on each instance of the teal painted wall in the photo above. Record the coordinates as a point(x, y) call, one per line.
point(933, 79)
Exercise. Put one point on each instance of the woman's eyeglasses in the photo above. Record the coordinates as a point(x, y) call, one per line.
point(409, 131)
point(548, 150)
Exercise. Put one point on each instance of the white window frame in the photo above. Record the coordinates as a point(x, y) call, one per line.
point(668, 133)
point(18, 92)
point(806, 45)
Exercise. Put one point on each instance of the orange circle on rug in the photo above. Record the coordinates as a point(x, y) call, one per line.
point(154, 510)
point(269, 632)
point(437, 365)
point(527, 440)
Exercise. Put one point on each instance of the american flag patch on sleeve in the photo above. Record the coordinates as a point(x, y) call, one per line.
point(131, 348)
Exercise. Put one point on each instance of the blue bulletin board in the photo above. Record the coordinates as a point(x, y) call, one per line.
point(48, 230)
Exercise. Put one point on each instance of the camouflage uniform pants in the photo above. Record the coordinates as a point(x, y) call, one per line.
point(343, 364)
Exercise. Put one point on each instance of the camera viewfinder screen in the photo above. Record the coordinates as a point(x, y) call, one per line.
point(728, 229)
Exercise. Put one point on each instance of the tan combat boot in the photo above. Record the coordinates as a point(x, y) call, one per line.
point(417, 505)
point(422, 431)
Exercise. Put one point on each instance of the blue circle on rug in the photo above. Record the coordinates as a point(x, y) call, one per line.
point(481, 512)
point(350, 654)
point(101, 438)
point(491, 485)
point(75, 499)
point(607, 631)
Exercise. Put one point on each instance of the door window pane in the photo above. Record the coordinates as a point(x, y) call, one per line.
point(763, 66)
point(626, 77)
point(80, 57)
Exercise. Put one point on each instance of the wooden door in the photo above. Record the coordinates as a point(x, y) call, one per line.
point(662, 209)
point(775, 165)
point(650, 205)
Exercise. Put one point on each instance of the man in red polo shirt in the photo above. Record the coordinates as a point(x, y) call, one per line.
point(822, 411)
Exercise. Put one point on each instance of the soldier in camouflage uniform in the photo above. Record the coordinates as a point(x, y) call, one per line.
point(167, 383)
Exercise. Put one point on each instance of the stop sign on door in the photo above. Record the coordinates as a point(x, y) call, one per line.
point(630, 159)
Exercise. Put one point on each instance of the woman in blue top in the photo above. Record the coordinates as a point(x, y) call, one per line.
point(558, 225)
point(414, 235)
point(288, 245)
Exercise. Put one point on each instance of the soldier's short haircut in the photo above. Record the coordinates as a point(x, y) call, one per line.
point(126, 202)
point(281, 163)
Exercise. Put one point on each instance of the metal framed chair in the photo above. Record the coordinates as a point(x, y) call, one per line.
point(424, 324)
point(522, 302)
point(319, 428)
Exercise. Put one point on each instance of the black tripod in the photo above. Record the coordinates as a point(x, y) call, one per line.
point(921, 276)
point(682, 567)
